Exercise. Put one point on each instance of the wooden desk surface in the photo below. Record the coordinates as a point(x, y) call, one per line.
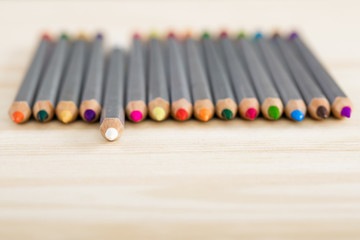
point(171, 180)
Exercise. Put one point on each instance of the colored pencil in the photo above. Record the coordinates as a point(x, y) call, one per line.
point(20, 109)
point(158, 93)
point(68, 103)
point(90, 106)
point(203, 105)
point(226, 107)
point(295, 107)
point(318, 105)
point(244, 91)
point(45, 101)
point(181, 102)
point(112, 119)
point(341, 105)
point(271, 105)
point(136, 109)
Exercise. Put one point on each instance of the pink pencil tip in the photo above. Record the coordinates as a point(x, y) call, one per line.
point(136, 35)
point(251, 113)
point(223, 34)
point(136, 116)
point(171, 35)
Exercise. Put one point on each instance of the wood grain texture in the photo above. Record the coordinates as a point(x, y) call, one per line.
point(190, 180)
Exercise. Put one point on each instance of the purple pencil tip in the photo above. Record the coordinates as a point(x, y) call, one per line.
point(293, 35)
point(346, 112)
point(89, 115)
point(99, 36)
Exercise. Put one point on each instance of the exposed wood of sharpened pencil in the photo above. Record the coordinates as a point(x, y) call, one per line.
point(24, 99)
point(91, 99)
point(67, 107)
point(221, 88)
point(112, 119)
point(136, 84)
point(308, 88)
point(48, 91)
point(158, 92)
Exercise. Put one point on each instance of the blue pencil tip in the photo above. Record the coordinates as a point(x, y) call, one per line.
point(297, 115)
point(258, 35)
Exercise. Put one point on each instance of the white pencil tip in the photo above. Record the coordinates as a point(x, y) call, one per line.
point(111, 134)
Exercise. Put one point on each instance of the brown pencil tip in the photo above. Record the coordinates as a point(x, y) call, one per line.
point(322, 112)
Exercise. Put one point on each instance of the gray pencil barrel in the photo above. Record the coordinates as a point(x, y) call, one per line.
point(31, 81)
point(321, 75)
point(52, 77)
point(136, 84)
point(71, 86)
point(93, 83)
point(302, 77)
point(261, 80)
point(219, 81)
point(282, 79)
point(240, 80)
point(114, 90)
point(197, 72)
point(158, 87)
point(179, 86)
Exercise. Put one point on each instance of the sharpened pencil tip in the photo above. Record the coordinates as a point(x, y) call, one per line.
point(251, 113)
point(241, 35)
point(274, 112)
point(182, 114)
point(159, 113)
point(171, 35)
point(297, 115)
point(206, 35)
point(258, 35)
point(204, 114)
point(223, 34)
point(99, 36)
point(136, 116)
point(42, 115)
point(46, 36)
point(65, 116)
point(64, 36)
point(111, 134)
point(136, 35)
point(89, 115)
point(293, 35)
point(346, 112)
point(17, 117)
point(322, 112)
point(227, 114)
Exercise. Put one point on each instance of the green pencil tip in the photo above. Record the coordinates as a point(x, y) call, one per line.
point(274, 112)
point(206, 35)
point(227, 114)
point(241, 35)
point(64, 36)
point(42, 115)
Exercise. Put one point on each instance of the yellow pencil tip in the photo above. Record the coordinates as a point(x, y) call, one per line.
point(66, 116)
point(82, 36)
point(159, 113)
point(204, 114)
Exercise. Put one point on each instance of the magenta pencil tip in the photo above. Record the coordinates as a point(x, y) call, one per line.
point(171, 35)
point(136, 116)
point(89, 115)
point(136, 35)
point(293, 35)
point(346, 112)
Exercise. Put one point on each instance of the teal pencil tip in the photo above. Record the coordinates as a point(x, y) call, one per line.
point(297, 115)
point(258, 35)
point(274, 112)
point(42, 115)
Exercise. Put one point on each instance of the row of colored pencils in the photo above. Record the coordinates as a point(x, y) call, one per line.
point(177, 77)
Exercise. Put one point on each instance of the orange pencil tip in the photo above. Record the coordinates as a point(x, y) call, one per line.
point(18, 117)
point(204, 114)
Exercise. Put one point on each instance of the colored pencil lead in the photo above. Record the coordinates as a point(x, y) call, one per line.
point(227, 114)
point(206, 35)
point(171, 35)
point(223, 34)
point(241, 35)
point(258, 35)
point(188, 34)
point(153, 35)
point(64, 36)
point(66, 116)
point(18, 117)
point(99, 36)
point(136, 35)
point(346, 111)
point(251, 113)
point(274, 112)
point(46, 36)
point(89, 115)
point(322, 112)
point(159, 113)
point(182, 114)
point(297, 115)
point(293, 35)
point(42, 115)
point(205, 114)
point(111, 134)
point(136, 116)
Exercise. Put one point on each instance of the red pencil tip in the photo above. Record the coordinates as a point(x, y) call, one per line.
point(46, 36)
point(182, 114)
point(171, 35)
point(18, 117)
point(136, 35)
point(223, 34)
point(251, 113)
